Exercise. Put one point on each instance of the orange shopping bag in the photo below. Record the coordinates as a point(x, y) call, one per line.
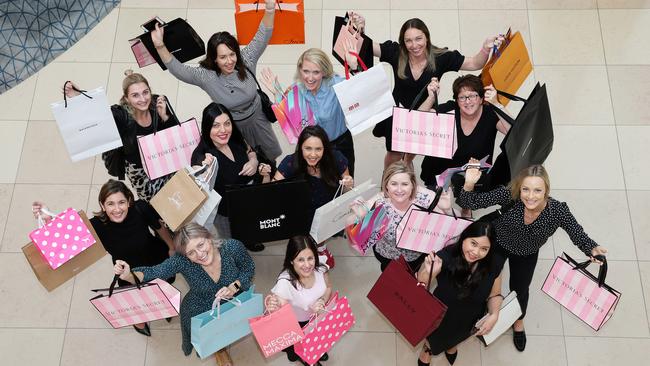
point(288, 24)
point(508, 67)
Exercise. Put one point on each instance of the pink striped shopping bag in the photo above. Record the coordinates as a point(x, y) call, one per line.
point(580, 292)
point(425, 231)
point(139, 303)
point(424, 133)
point(167, 151)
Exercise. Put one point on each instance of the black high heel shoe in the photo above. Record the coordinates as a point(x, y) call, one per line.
point(145, 331)
point(451, 357)
point(425, 349)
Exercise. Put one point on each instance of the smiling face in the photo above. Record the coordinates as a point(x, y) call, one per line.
point(312, 150)
point(311, 75)
point(304, 263)
point(221, 130)
point(416, 42)
point(116, 207)
point(226, 59)
point(200, 251)
point(399, 188)
point(533, 193)
point(475, 249)
point(139, 96)
point(469, 101)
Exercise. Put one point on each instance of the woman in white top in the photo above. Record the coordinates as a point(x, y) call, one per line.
point(303, 283)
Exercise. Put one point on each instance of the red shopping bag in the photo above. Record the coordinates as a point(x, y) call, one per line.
point(424, 133)
point(276, 331)
point(139, 303)
point(410, 308)
point(324, 330)
point(577, 290)
point(423, 230)
point(288, 23)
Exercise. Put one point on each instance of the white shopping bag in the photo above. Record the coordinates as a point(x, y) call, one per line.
point(330, 218)
point(86, 124)
point(208, 211)
point(366, 99)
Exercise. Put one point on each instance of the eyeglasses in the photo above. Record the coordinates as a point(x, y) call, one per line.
point(464, 98)
point(201, 246)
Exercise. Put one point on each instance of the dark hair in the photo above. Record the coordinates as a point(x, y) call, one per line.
point(212, 111)
point(469, 81)
point(432, 51)
point(111, 187)
point(462, 276)
point(296, 245)
point(210, 63)
point(328, 170)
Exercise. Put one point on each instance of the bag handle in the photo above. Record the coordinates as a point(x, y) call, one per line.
point(65, 97)
point(435, 201)
point(511, 96)
point(602, 271)
point(111, 288)
point(505, 116)
point(39, 218)
point(216, 305)
point(422, 93)
point(257, 5)
point(347, 67)
point(259, 88)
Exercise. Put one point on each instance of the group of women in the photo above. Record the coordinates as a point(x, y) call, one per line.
point(237, 135)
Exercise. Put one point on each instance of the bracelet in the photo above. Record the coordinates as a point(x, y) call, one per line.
point(159, 47)
point(497, 295)
point(422, 284)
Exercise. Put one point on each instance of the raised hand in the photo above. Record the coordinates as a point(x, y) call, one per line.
point(157, 36)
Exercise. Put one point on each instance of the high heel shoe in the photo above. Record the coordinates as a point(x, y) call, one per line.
point(145, 331)
point(451, 357)
point(427, 350)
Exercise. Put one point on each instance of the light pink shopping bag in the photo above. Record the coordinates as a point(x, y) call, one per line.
point(425, 231)
point(323, 331)
point(131, 304)
point(169, 150)
point(276, 331)
point(62, 238)
point(424, 133)
point(580, 292)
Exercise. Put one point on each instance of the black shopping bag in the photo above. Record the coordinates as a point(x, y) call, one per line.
point(530, 139)
point(268, 212)
point(180, 39)
point(365, 52)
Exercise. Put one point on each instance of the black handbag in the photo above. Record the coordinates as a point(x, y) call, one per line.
point(266, 102)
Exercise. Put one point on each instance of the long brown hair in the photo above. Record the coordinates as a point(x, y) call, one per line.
point(431, 50)
point(210, 63)
point(296, 245)
point(111, 187)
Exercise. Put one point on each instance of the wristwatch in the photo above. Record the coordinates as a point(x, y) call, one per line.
point(234, 287)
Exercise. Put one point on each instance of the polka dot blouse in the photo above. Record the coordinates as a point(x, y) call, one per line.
point(519, 238)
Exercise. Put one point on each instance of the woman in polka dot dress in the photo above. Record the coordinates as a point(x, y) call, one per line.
point(523, 228)
point(303, 283)
point(123, 226)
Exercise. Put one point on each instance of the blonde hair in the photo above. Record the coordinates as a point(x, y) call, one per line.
point(397, 168)
point(130, 79)
point(320, 58)
point(531, 171)
point(190, 231)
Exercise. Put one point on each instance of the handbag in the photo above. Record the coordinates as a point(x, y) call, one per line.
point(577, 290)
point(288, 22)
point(343, 31)
point(509, 312)
point(264, 99)
point(424, 133)
point(139, 303)
point(408, 306)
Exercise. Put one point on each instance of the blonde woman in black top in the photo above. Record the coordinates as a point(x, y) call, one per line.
point(522, 230)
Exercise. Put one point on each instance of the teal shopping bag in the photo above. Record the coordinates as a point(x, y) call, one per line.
point(225, 323)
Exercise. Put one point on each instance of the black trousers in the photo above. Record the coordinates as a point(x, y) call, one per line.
point(345, 145)
point(522, 269)
point(384, 262)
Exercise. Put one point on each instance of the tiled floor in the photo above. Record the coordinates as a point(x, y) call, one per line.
point(592, 55)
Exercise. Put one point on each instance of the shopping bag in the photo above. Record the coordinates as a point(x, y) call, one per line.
point(366, 98)
point(530, 139)
point(225, 323)
point(424, 230)
point(63, 238)
point(281, 210)
point(276, 331)
point(509, 66)
point(180, 39)
point(330, 218)
point(53, 278)
point(293, 113)
point(375, 221)
point(424, 133)
point(344, 31)
point(410, 308)
point(86, 124)
point(444, 179)
point(325, 329)
point(167, 151)
point(288, 23)
point(139, 303)
point(509, 312)
point(179, 199)
point(208, 210)
point(577, 290)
